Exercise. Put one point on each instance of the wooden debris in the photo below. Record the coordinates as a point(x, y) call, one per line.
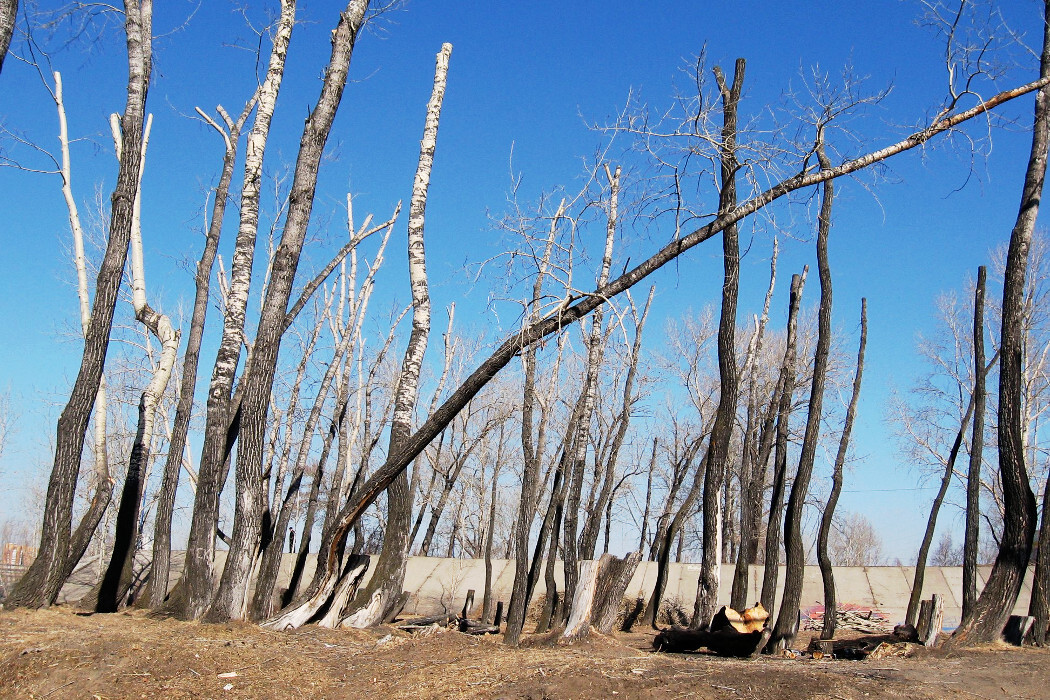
point(731, 634)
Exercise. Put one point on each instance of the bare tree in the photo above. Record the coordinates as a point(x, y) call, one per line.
point(973, 474)
point(828, 576)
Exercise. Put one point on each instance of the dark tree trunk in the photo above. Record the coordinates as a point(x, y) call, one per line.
point(826, 573)
point(973, 475)
point(1039, 605)
point(40, 585)
point(648, 498)
point(705, 606)
point(992, 609)
point(786, 390)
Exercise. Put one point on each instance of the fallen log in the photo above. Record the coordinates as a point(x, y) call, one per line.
point(731, 634)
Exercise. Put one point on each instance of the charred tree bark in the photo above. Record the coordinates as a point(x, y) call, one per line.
point(826, 572)
point(41, 583)
point(786, 391)
point(705, 606)
point(973, 474)
point(992, 608)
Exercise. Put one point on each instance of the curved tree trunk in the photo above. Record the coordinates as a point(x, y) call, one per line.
point(8, 14)
point(986, 619)
point(826, 572)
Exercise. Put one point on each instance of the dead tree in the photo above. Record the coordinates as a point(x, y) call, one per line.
point(990, 612)
point(41, 583)
point(784, 397)
point(705, 608)
point(826, 572)
point(973, 474)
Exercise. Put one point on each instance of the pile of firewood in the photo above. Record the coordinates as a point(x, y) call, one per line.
point(866, 621)
point(461, 622)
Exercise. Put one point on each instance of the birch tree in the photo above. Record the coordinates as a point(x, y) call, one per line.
point(8, 15)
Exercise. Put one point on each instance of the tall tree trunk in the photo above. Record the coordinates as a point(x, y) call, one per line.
point(1039, 604)
point(648, 497)
point(787, 617)
point(194, 591)
point(40, 585)
point(711, 564)
point(784, 398)
point(826, 572)
point(973, 474)
point(389, 573)
point(989, 613)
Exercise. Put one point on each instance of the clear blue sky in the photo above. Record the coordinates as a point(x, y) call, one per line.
point(526, 76)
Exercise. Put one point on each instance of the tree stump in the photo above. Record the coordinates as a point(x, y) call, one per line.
point(599, 594)
point(931, 620)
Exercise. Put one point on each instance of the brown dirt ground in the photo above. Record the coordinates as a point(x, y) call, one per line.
point(57, 654)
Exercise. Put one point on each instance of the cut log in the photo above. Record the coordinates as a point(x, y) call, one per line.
point(468, 604)
point(497, 619)
point(443, 620)
point(599, 594)
point(724, 642)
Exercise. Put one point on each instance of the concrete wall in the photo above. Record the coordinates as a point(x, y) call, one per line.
point(439, 585)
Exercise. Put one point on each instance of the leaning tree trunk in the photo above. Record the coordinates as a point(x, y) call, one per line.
point(787, 618)
point(194, 591)
point(718, 447)
point(826, 573)
point(161, 566)
point(783, 396)
point(389, 575)
point(991, 610)
point(40, 585)
point(973, 474)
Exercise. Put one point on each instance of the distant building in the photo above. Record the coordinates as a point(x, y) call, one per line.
point(18, 554)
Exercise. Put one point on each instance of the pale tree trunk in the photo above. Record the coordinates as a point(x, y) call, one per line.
point(194, 591)
point(718, 447)
point(41, 583)
point(595, 351)
point(573, 309)
point(753, 457)
point(161, 566)
point(787, 617)
point(783, 398)
point(973, 474)
point(389, 575)
point(986, 619)
point(8, 14)
point(830, 598)
point(533, 444)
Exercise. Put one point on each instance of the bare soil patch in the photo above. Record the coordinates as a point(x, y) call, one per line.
point(57, 654)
